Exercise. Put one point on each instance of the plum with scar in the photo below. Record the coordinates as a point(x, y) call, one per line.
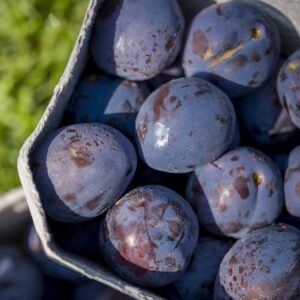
point(233, 45)
point(149, 236)
point(237, 193)
point(81, 170)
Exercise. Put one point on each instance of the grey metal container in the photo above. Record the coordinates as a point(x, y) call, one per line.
point(286, 15)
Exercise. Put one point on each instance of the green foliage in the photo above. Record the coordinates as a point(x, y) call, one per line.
point(36, 39)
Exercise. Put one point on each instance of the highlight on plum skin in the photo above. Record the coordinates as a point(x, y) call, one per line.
point(237, 193)
point(149, 236)
point(185, 124)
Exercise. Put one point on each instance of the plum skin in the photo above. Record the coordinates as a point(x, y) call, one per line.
point(239, 192)
point(234, 45)
point(149, 236)
point(81, 170)
point(288, 87)
point(263, 265)
point(137, 39)
point(292, 183)
point(172, 125)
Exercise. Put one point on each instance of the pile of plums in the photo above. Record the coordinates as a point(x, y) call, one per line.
point(176, 147)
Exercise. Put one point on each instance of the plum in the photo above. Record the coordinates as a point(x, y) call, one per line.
point(292, 183)
point(149, 236)
point(199, 279)
point(184, 124)
point(137, 39)
point(81, 170)
point(288, 86)
point(19, 279)
point(265, 264)
point(232, 44)
point(239, 192)
point(107, 100)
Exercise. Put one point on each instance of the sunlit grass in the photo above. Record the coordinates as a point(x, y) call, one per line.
point(36, 39)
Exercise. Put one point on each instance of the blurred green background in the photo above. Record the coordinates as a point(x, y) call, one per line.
point(36, 39)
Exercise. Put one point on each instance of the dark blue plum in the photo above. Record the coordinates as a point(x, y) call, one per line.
point(259, 113)
point(263, 265)
point(239, 192)
point(92, 290)
point(149, 236)
point(184, 124)
point(19, 279)
point(233, 45)
point(81, 170)
point(288, 86)
point(199, 279)
point(49, 267)
point(112, 101)
point(292, 183)
point(137, 39)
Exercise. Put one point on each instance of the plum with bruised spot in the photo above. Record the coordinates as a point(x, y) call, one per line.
point(172, 125)
point(81, 170)
point(239, 192)
point(137, 39)
point(237, 53)
point(265, 264)
point(149, 236)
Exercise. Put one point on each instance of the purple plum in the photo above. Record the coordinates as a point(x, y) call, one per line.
point(265, 264)
point(137, 39)
point(288, 86)
point(149, 236)
point(81, 170)
point(292, 183)
point(239, 192)
point(232, 44)
point(185, 124)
